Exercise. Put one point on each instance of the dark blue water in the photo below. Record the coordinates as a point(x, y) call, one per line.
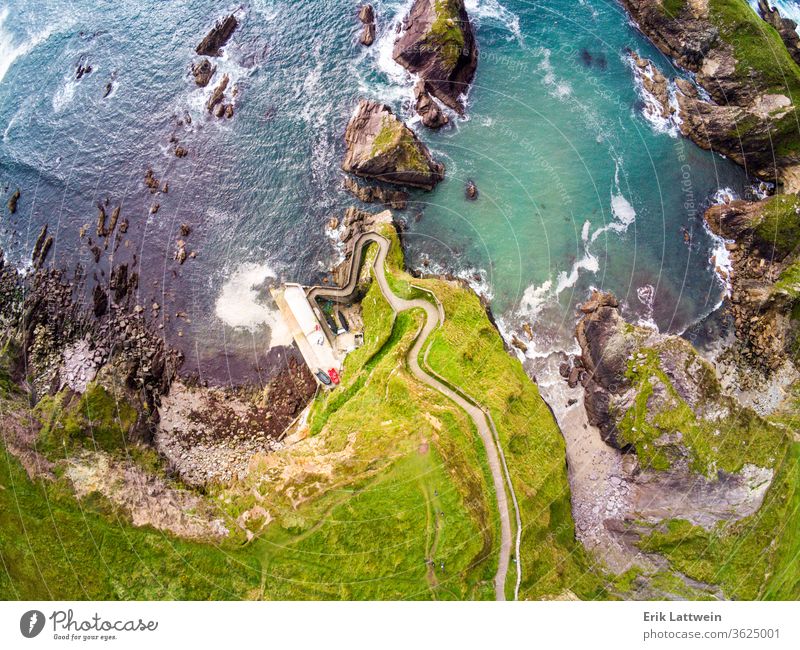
point(577, 188)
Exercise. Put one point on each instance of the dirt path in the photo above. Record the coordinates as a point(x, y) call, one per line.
point(433, 318)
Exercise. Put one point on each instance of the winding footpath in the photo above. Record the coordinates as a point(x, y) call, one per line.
point(434, 316)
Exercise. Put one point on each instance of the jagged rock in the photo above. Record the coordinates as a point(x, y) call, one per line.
point(749, 118)
point(786, 27)
point(181, 152)
point(471, 190)
point(99, 301)
point(367, 16)
point(41, 248)
point(151, 181)
point(438, 44)
point(764, 285)
point(395, 199)
point(382, 147)
point(219, 35)
point(432, 116)
point(518, 344)
point(202, 72)
point(218, 94)
point(81, 70)
point(12, 201)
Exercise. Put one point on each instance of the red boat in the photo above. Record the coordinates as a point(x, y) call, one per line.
point(333, 375)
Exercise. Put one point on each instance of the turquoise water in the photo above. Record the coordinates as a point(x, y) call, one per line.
point(555, 139)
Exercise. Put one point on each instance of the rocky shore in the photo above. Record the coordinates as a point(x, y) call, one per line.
point(677, 447)
point(742, 106)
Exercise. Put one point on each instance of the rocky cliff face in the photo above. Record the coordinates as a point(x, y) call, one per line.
point(382, 147)
point(438, 44)
point(749, 113)
point(689, 451)
point(765, 278)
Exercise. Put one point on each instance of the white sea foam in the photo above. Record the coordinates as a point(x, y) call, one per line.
point(724, 195)
point(65, 94)
point(624, 216)
point(534, 299)
point(559, 88)
point(491, 10)
point(646, 295)
point(11, 51)
point(239, 306)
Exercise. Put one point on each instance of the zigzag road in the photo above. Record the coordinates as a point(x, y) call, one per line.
point(433, 318)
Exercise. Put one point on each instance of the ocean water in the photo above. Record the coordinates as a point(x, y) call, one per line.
point(579, 186)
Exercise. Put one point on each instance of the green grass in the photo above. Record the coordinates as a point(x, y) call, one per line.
point(54, 547)
point(762, 63)
point(468, 353)
point(446, 33)
point(673, 7)
point(95, 419)
point(396, 137)
point(779, 225)
point(755, 558)
point(742, 437)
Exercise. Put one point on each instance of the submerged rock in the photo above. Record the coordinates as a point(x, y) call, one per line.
point(214, 41)
point(381, 146)
point(438, 44)
point(12, 201)
point(471, 190)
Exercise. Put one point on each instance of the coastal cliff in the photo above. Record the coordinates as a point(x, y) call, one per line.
point(698, 466)
point(765, 276)
point(752, 82)
point(438, 44)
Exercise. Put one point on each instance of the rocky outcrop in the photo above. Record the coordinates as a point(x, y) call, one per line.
point(439, 45)
point(382, 147)
point(786, 27)
point(432, 116)
point(366, 14)
point(202, 71)
point(747, 113)
point(765, 275)
point(215, 40)
point(395, 199)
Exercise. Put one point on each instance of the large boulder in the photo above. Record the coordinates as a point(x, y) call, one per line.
point(438, 44)
point(382, 147)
